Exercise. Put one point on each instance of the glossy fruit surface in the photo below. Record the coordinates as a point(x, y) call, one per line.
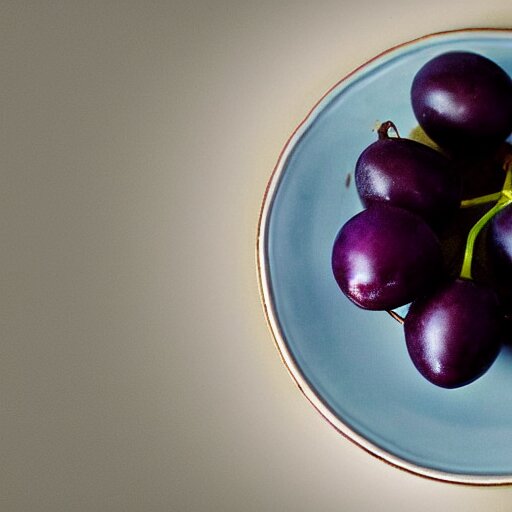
point(500, 241)
point(463, 101)
point(385, 256)
point(453, 335)
point(410, 175)
point(498, 249)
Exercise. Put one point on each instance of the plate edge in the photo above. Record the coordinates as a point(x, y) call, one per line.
point(271, 317)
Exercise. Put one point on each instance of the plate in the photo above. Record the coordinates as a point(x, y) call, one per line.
point(352, 364)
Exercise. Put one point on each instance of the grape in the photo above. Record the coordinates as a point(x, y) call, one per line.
point(499, 250)
point(453, 335)
point(463, 101)
point(500, 241)
point(385, 256)
point(408, 174)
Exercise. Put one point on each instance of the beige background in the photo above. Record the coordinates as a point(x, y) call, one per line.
point(136, 369)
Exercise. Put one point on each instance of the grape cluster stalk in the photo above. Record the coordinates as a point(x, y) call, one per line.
point(502, 198)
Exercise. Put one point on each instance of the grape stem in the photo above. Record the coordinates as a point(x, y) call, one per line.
point(383, 130)
point(504, 198)
point(489, 198)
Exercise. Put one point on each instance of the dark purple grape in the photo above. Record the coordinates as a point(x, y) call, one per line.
point(499, 250)
point(500, 241)
point(454, 334)
point(408, 174)
point(463, 101)
point(385, 256)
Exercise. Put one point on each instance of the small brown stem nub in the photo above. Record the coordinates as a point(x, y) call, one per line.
point(383, 131)
point(397, 317)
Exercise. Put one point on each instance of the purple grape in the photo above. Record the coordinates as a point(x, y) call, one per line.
point(408, 174)
point(385, 256)
point(463, 101)
point(500, 241)
point(499, 255)
point(453, 335)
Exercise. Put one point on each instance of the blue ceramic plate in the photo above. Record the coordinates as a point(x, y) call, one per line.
point(352, 364)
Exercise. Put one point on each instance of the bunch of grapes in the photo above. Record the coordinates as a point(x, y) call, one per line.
point(436, 229)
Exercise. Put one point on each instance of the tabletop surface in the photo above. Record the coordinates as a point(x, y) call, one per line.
point(137, 370)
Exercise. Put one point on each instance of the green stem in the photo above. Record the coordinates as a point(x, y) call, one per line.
point(504, 199)
point(489, 198)
point(475, 230)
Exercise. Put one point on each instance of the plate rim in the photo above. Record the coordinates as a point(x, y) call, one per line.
point(268, 304)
